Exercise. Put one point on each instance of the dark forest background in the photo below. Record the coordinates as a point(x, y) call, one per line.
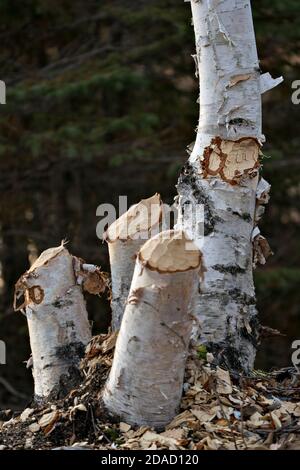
point(101, 102)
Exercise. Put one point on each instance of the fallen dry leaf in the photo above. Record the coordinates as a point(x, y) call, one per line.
point(151, 437)
point(204, 415)
point(276, 420)
point(25, 414)
point(224, 386)
point(292, 408)
point(34, 427)
point(177, 434)
point(49, 419)
point(180, 419)
point(124, 427)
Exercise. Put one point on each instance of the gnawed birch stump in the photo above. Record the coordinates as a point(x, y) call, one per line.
point(125, 237)
point(53, 301)
point(145, 383)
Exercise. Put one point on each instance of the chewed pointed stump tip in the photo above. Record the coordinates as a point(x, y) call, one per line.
point(145, 383)
point(51, 295)
point(125, 237)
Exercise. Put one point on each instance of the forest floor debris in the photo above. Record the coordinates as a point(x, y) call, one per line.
point(219, 411)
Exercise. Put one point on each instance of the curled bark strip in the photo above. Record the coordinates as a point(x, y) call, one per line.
point(23, 296)
point(262, 198)
point(263, 191)
point(231, 160)
point(267, 82)
point(261, 250)
point(145, 383)
point(90, 277)
point(94, 283)
point(125, 238)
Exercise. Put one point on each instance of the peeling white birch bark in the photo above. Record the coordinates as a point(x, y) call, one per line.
point(57, 318)
point(222, 174)
point(145, 383)
point(125, 238)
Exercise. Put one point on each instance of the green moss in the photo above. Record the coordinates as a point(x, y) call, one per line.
point(112, 434)
point(202, 352)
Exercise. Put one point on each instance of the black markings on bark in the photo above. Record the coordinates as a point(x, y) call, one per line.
point(228, 353)
point(71, 352)
point(244, 216)
point(237, 295)
point(60, 303)
point(241, 297)
point(240, 122)
point(232, 269)
point(68, 382)
point(232, 357)
point(187, 181)
point(252, 337)
point(225, 355)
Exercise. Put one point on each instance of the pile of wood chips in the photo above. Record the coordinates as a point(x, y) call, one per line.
point(218, 411)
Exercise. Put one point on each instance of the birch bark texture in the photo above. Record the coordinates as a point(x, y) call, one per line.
point(146, 379)
point(125, 238)
point(223, 175)
point(59, 329)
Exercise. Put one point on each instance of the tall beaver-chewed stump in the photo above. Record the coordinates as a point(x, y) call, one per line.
point(125, 237)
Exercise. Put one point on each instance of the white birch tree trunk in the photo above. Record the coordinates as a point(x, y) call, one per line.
point(223, 175)
point(125, 238)
point(57, 318)
point(145, 383)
